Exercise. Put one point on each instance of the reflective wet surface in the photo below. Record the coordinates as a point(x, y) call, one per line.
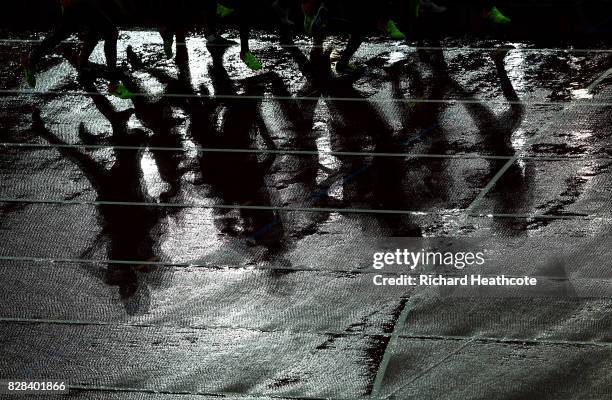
point(212, 235)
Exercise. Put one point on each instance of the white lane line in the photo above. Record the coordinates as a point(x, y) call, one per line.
point(433, 366)
point(174, 327)
point(26, 92)
point(395, 47)
point(391, 346)
point(417, 213)
point(298, 152)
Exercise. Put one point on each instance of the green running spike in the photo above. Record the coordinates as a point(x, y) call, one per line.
point(223, 11)
point(497, 17)
point(120, 91)
point(393, 31)
point(251, 61)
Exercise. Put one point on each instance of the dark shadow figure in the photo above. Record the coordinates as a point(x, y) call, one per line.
point(320, 83)
point(358, 125)
point(155, 116)
point(497, 130)
point(421, 130)
point(426, 116)
point(300, 112)
point(237, 178)
point(158, 117)
point(126, 227)
point(368, 182)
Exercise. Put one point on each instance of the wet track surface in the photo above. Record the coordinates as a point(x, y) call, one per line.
point(213, 237)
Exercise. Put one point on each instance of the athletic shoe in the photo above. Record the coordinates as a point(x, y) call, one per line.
point(496, 16)
point(119, 91)
point(251, 61)
point(28, 72)
point(223, 11)
point(393, 31)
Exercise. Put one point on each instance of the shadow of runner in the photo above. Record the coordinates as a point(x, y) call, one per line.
point(127, 228)
point(421, 128)
point(301, 170)
point(497, 130)
point(155, 116)
point(158, 117)
point(238, 178)
point(370, 182)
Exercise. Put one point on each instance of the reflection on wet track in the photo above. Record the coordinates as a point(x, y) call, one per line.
point(138, 233)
